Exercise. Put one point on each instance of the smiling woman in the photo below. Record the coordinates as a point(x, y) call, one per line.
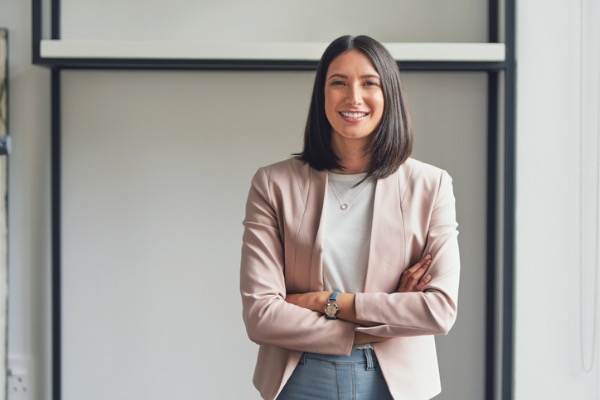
point(350, 259)
point(390, 143)
point(353, 105)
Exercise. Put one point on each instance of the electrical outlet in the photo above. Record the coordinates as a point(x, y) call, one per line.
point(19, 378)
point(18, 385)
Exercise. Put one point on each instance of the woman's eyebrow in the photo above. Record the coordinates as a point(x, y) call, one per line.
point(337, 75)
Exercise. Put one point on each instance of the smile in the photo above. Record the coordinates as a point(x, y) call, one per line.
point(354, 114)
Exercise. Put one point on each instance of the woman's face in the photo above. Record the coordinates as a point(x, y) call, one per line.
point(353, 97)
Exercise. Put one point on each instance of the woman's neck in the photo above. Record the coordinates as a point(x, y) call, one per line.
point(351, 168)
point(352, 158)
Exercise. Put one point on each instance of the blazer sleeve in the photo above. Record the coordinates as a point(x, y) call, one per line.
point(433, 310)
point(269, 319)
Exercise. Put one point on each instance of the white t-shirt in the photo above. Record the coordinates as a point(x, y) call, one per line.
point(347, 235)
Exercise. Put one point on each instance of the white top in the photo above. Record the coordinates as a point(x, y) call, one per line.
point(347, 235)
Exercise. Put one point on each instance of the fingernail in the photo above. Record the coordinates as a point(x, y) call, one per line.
point(428, 257)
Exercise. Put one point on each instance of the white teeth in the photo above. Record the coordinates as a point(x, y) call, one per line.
point(353, 115)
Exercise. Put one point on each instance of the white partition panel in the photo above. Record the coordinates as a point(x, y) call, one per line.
point(156, 168)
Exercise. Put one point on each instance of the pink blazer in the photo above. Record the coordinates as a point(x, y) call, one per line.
point(414, 214)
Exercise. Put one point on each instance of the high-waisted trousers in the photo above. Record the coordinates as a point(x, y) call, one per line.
point(327, 377)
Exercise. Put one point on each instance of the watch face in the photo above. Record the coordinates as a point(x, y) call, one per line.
point(331, 309)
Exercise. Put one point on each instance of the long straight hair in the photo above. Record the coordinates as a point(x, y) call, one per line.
point(391, 142)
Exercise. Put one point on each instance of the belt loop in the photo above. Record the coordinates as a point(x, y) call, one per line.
point(303, 358)
point(369, 358)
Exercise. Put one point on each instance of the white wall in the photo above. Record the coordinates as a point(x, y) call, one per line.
point(548, 362)
point(29, 200)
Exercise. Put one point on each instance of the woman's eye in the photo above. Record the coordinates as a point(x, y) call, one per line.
point(337, 83)
point(371, 83)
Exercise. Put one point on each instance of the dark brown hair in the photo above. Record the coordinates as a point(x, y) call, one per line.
point(391, 142)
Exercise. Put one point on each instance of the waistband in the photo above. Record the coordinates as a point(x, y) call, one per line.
point(358, 356)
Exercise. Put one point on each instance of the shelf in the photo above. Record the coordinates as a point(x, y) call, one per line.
point(271, 51)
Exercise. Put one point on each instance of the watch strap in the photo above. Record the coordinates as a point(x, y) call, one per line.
point(334, 296)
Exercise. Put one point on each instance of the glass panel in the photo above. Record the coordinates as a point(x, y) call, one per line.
point(275, 20)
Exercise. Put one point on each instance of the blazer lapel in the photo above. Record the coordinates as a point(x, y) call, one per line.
point(317, 200)
point(387, 250)
point(310, 235)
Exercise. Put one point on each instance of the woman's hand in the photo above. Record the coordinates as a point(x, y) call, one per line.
point(414, 279)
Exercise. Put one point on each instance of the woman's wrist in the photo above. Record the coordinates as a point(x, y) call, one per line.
point(316, 301)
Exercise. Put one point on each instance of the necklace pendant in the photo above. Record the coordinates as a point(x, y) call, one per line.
point(344, 206)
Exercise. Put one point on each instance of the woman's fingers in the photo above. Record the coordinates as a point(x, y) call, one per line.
point(420, 266)
point(422, 284)
point(414, 279)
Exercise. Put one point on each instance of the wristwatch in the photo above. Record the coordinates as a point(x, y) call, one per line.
point(331, 308)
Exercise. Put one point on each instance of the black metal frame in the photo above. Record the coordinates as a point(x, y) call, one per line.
point(494, 71)
point(508, 281)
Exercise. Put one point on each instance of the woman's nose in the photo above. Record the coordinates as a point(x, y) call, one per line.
point(354, 95)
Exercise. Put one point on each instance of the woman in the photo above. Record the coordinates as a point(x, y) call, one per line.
point(350, 259)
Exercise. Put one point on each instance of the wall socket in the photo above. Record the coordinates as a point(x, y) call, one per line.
point(19, 379)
